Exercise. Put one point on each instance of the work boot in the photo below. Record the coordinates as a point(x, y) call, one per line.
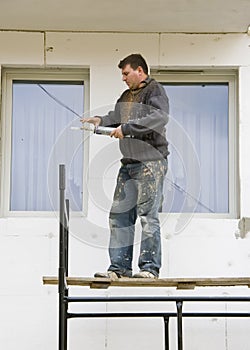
point(109, 274)
point(144, 274)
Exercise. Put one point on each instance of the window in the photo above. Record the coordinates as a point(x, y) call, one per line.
point(202, 135)
point(39, 109)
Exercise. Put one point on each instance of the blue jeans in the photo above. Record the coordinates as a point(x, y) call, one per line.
point(138, 193)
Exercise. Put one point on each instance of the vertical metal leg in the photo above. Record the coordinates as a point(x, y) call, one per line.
point(166, 332)
point(62, 343)
point(66, 237)
point(179, 324)
point(66, 270)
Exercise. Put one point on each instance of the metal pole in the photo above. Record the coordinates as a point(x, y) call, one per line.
point(61, 272)
point(179, 324)
point(166, 332)
point(66, 269)
point(66, 237)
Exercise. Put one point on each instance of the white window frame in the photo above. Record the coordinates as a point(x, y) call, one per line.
point(215, 76)
point(8, 75)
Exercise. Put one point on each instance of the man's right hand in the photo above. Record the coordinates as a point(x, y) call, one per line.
point(93, 120)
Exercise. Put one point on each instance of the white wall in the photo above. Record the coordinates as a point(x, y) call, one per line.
point(206, 247)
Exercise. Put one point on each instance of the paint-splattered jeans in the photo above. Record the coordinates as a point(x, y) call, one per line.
point(138, 193)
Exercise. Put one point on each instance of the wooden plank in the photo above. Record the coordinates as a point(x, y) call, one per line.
point(179, 283)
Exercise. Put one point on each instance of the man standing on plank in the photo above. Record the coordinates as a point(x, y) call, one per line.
point(139, 119)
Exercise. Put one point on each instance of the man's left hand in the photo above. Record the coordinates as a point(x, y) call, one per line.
point(117, 133)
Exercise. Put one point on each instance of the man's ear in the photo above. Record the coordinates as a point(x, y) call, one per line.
point(139, 69)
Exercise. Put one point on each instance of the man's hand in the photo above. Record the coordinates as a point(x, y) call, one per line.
point(117, 133)
point(93, 120)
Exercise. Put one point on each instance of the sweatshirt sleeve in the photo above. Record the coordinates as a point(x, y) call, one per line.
point(112, 118)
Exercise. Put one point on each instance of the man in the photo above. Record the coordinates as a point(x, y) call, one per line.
point(139, 119)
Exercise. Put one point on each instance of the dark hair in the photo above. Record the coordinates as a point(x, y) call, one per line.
point(135, 60)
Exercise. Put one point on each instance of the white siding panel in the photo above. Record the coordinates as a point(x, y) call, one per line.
point(201, 50)
point(21, 48)
point(105, 49)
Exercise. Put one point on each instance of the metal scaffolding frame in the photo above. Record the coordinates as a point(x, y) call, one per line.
point(65, 299)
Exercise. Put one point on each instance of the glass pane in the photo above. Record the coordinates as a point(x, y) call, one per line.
point(198, 177)
point(42, 111)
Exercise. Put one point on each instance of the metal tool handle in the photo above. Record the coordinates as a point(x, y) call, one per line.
point(103, 130)
point(98, 130)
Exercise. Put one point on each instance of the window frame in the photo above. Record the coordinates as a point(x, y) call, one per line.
point(230, 77)
point(15, 74)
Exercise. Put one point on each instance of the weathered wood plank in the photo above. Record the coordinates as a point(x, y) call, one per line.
point(179, 283)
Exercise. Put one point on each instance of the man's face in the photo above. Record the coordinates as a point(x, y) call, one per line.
point(131, 77)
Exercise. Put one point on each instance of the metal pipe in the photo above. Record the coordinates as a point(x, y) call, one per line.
point(118, 314)
point(108, 299)
point(63, 304)
point(66, 265)
point(179, 324)
point(66, 237)
point(166, 332)
point(160, 314)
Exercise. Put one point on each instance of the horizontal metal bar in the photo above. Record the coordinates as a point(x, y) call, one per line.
point(157, 314)
point(108, 299)
point(216, 314)
point(118, 314)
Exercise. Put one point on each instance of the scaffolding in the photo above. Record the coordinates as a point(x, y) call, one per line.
point(63, 281)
